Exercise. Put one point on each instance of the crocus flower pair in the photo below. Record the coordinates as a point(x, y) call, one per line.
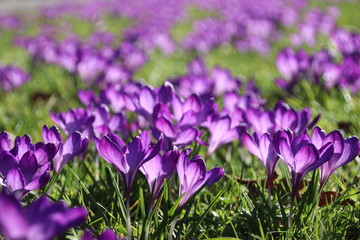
point(127, 158)
point(281, 118)
point(141, 154)
point(41, 220)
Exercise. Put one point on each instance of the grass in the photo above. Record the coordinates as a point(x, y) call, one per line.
point(235, 208)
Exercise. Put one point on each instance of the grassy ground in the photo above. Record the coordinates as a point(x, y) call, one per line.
point(242, 210)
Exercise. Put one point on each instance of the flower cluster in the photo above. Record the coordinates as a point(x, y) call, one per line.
point(322, 67)
point(303, 153)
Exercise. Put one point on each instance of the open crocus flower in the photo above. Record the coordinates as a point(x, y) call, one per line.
point(301, 156)
point(158, 169)
point(193, 175)
point(127, 158)
point(25, 167)
point(263, 149)
point(74, 145)
point(21, 177)
point(41, 220)
point(345, 150)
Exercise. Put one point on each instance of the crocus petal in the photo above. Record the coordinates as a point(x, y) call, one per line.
point(13, 223)
point(28, 165)
point(7, 162)
point(112, 154)
point(214, 175)
point(15, 179)
point(185, 137)
point(350, 151)
point(305, 159)
point(4, 141)
point(147, 99)
point(38, 182)
point(251, 145)
point(317, 137)
point(51, 135)
point(165, 126)
point(108, 235)
point(286, 153)
point(45, 153)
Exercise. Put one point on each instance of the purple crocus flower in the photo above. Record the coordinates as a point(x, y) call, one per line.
point(301, 155)
point(221, 133)
point(127, 158)
point(193, 175)
point(180, 134)
point(21, 177)
point(78, 119)
point(104, 123)
point(264, 150)
point(158, 169)
point(106, 235)
point(261, 121)
point(74, 145)
point(297, 121)
point(25, 167)
point(345, 150)
point(41, 220)
point(12, 77)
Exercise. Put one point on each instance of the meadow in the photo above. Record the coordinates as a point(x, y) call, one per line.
point(187, 119)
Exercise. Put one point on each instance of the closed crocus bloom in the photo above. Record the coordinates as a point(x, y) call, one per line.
point(301, 156)
point(193, 175)
point(263, 149)
point(127, 158)
point(345, 150)
point(41, 220)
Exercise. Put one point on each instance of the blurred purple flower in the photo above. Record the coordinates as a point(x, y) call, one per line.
point(106, 235)
point(41, 220)
point(12, 77)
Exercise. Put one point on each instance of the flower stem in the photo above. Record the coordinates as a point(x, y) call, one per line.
point(128, 219)
point(291, 214)
point(269, 197)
